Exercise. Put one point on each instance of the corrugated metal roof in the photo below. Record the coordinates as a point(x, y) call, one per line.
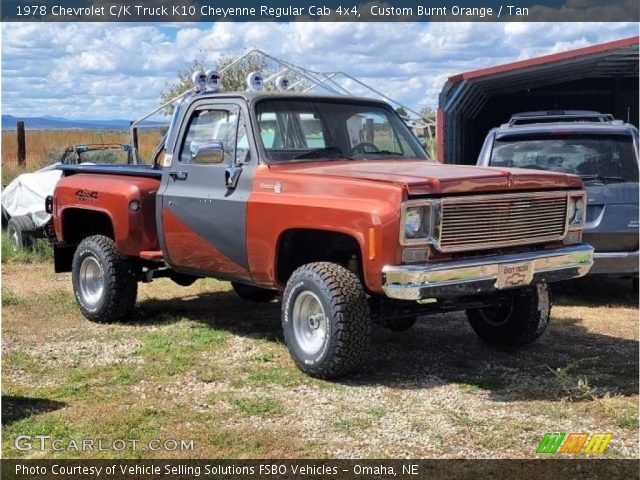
point(466, 94)
point(552, 58)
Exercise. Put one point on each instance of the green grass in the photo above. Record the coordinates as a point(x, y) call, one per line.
point(20, 360)
point(178, 348)
point(274, 375)
point(377, 412)
point(41, 251)
point(258, 406)
point(479, 385)
point(57, 298)
point(11, 298)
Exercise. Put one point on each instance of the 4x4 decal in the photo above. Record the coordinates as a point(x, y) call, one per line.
point(86, 195)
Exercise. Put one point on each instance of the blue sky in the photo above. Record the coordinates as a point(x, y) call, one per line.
point(117, 70)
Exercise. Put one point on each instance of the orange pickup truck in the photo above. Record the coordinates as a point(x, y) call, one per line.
point(331, 203)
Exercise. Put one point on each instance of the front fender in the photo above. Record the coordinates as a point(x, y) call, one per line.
point(350, 207)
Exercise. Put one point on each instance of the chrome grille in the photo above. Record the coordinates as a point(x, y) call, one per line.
point(494, 221)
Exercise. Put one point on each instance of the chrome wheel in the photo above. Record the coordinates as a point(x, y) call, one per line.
point(309, 322)
point(91, 280)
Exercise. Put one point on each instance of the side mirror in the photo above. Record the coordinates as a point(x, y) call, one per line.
point(211, 151)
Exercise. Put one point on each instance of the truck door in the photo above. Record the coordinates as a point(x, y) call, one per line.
point(202, 218)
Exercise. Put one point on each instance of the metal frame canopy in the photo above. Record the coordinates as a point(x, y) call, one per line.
point(601, 77)
point(303, 80)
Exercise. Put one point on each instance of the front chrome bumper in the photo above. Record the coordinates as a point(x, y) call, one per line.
point(456, 278)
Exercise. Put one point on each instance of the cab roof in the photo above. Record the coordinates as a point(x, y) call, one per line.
point(252, 97)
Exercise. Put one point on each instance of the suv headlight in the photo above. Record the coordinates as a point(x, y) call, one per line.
point(419, 222)
point(576, 210)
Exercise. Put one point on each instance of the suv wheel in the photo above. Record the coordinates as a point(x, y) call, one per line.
point(326, 320)
point(21, 231)
point(104, 281)
point(517, 322)
point(254, 294)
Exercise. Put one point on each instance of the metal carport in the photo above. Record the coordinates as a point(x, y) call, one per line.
point(601, 77)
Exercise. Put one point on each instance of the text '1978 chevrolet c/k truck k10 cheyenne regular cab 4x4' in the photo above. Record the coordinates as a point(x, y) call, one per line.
point(332, 203)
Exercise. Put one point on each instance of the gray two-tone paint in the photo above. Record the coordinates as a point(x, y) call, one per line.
point(202, 200)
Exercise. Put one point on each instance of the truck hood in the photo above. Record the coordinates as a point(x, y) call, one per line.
point(422, 177)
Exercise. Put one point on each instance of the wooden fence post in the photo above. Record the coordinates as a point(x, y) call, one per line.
point(22, 148)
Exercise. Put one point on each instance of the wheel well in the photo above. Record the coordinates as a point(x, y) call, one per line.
point(298, 247)
point(78, 224)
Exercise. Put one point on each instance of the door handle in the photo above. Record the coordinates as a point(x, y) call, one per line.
point(178, 175)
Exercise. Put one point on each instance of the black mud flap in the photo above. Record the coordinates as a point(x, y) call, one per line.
point(63, 257)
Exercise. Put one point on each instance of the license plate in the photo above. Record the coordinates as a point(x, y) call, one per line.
point(514, 274)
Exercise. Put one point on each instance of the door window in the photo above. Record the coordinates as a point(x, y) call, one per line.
point(210, 126)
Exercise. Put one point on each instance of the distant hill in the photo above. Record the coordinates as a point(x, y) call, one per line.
point(55, 123)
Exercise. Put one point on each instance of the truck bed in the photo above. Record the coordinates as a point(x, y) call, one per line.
point(146, 171)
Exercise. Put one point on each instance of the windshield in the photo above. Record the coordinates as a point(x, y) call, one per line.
point(596, 158)
point(296, 130)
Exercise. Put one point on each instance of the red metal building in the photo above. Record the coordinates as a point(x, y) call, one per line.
point(601, 77)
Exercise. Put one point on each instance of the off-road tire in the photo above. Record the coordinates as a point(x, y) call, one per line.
point(120, 283)
point(347, 319)
point(518, 323)
point(254, 294)
point(183, 279)
point(400, 324)
point(5, 217)
point(21, 231)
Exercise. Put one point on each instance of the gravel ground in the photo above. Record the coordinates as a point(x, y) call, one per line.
point(200, 363)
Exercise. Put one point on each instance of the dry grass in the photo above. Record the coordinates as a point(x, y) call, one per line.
point(44, 146)
point(199, 363)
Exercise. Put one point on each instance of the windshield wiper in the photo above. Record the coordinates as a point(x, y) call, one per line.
point(602, 178)
point(334, 151)
point(387, 152)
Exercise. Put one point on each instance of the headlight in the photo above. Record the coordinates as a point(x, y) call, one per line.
point(419, 222)
point(580, 211)
point(571, 209)
point(576, 211)
point(413, 222)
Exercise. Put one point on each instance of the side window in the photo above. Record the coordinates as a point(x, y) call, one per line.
point(209, 128)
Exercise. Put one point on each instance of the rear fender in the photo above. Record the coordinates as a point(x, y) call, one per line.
point(122, 208)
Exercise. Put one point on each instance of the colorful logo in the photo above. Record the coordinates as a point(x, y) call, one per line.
point(559, 442)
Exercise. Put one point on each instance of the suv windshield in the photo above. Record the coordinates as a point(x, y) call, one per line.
point(296, 130)
point(596, 158)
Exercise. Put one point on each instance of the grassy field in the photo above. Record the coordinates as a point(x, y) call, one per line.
point(44, 147)
point(201, 364)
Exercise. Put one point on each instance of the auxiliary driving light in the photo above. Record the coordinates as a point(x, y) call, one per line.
point(213, 81)
point(282, 83)
point(255, 82)
point(199, 80)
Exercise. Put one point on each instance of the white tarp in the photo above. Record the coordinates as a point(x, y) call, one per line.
point(26, 194)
